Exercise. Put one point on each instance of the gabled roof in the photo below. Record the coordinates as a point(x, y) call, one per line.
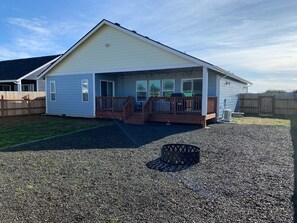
point(13, 70)
point(148, 40)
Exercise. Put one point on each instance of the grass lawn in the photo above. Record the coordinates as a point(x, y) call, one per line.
point(16, 130)
point(262, 121)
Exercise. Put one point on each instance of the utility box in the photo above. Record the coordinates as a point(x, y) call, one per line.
point(227, 115)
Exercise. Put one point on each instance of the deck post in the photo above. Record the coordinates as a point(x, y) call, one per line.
point(113, 103)
point(2, 106)
point(174, 107)
point(204, 91)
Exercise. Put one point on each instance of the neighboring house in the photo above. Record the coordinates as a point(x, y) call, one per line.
point(21, 74)
point(115, 72)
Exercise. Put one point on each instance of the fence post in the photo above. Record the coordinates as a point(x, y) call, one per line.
point(29, 105)
point(2, 106)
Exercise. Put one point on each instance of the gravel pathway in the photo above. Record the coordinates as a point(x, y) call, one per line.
point(245, 175)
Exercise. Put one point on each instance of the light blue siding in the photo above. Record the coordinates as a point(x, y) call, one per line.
point(69, 96)
point(229, 91)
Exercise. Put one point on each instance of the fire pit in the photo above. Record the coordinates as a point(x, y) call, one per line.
point(180, 154)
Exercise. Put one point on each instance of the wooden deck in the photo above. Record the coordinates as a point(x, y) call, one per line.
point(156, 109)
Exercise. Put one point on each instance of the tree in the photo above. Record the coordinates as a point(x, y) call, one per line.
point(275, 91)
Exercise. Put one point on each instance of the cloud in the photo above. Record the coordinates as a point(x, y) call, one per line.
point(40, 36)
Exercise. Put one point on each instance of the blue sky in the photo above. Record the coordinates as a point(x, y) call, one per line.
point(255, 39)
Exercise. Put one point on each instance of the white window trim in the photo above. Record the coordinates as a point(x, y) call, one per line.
point(142, 91)
point(162, 88)
point(82, 94)
point(53, 92)
point(181, 82)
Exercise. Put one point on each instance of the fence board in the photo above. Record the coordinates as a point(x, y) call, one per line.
point(21, 103)
point(283, 104)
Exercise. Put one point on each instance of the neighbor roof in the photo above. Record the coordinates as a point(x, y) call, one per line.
point(148, 40)
point(11, 70)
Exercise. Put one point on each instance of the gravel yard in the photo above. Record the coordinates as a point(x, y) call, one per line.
point(100, 175)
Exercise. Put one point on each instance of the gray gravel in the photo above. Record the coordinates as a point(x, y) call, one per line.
point(245, 175)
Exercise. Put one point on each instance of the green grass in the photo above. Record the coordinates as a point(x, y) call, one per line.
point(262, 121)
point(16, 130)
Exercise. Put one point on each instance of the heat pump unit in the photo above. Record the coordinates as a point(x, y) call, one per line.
point(227, 115)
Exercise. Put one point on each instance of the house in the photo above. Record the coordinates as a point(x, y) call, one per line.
point(113, 72)
point(21, 74)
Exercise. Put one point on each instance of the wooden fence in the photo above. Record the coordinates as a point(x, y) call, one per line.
point(268, 103)
point(21, 103)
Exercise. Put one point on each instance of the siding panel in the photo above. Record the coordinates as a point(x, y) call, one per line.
point(229, 94)
point(69, 96)
point(109, 50)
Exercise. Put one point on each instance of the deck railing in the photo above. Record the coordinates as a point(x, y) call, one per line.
point(177, 104)
point(172, 105)
point(147, 109)
point(128, 108)
point(111, 104)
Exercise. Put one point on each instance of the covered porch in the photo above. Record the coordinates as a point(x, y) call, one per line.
point(186, 110)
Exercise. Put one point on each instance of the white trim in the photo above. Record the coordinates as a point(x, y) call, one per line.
point(218, 95)
point(94, 95)
point(204, 91)
point(39, 68)
point(8, 81)
point(82, 94)
point(147, 40)
point(19, 84)
point(130, 69)
point(113, 87)
point(141, 91)
point(54, 92)
point(181, 82)
point(174, 80)
point(46, 98)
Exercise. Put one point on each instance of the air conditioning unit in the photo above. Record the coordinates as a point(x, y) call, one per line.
point(227, 115)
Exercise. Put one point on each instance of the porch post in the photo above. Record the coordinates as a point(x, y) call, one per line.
point(204, 91)
point(19, 83)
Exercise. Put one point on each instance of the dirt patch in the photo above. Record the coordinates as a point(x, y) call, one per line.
point(245, 175)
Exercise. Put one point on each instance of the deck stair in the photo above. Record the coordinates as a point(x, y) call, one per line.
point(135, 118)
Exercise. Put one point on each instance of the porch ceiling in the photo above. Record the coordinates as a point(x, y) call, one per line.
point(161, 71)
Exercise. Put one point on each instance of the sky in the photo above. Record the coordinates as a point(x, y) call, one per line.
point(254, 39)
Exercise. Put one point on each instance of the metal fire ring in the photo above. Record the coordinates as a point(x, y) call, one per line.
point(180, 154)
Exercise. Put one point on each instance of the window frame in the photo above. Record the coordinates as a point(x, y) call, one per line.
point(146, 91)
point(5, 85)
point(192, 84)
point(82, 90)
point(53, 91)
point(163, 91)
point(149, 90)
point(30, 87)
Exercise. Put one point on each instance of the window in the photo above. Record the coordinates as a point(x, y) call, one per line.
point(5, 88)
point(154, 88)
point(192, 87)
point(27, 87)
point(168, 87)
point(141, 90)
point(53, 90)
point(85, 90)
